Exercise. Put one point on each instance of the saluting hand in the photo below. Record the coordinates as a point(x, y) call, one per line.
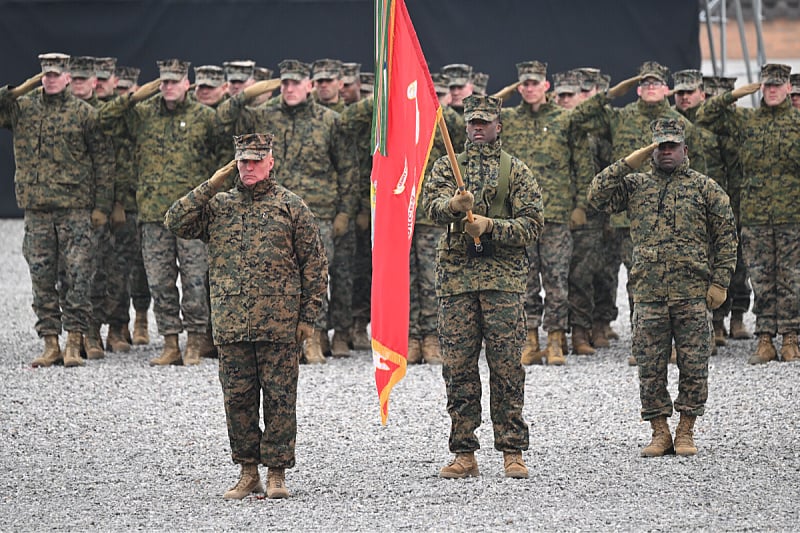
point(637, 157)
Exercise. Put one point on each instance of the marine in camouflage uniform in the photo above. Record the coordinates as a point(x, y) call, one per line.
point(538, 132)
point(313, 159)
point(769, 137)
point(481, 298)
point(63, 181)
point(268, 274)
point(684, 252)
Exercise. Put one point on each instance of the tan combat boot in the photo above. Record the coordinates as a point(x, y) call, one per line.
point(789, 350)
point(140, 334)
point(206, 345)
point(116, 341)
point(248, 482)
point(673, 356)
point(72, 351)
point(126, 334)
point(276, 483)
point(738, 331)
point(661, 443)
point(312, 351)
point(340, 346)
point(599, 339)
point(51, 354)
point(361, 340)
point(171, 354)
point(531, 354)
point(684, 436)
point(463, 465)
point(431, 351)
point(514, 465)
point(580, 342)
point(610, 333)
point(555, 353)
point(414, 351)
point(192, 354)
point(632, 360)
point(719, 333)
point(324, 343)
point(765, 351)
point(93, 344)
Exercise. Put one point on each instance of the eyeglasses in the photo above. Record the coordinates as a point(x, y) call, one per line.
point(651, 83)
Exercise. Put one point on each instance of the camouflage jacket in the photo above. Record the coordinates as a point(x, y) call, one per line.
point(63, 160)
point(507, 270)
point(266, 263)
point(769, 141)
point(628, 129)
point(312, 157)
point(357, 125)
point(682, 229)
point(457, 130)
point(711, 145)
point(172, 148)
point(124, 169)
point(542, 140)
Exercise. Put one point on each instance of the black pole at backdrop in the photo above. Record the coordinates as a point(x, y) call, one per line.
point(490, 35)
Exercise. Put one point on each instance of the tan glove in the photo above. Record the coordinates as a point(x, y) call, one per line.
point(623, 87)
point(362, 221)
point(217, 181)
point(261, 87)
point(478, 226)
point(98, 218)
point(744, 90)
point(462, 202)
point(26, 86)
point(117, 216)
point(577, 218)
point(340, 224)
point(715, 296)
point(303, 332)
point(638, 157)
point(146, 91)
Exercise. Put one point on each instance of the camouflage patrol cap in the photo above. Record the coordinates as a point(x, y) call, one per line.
point(239, 70)
point(653, 69)
point(326, 69)
point(604, 82)
point(775, 74)
point(567, 82)
point(457, 74)
point(127, 76)
point(531, 70)
point(292, 69)
point(209, 75)
point(710, 85)
point(104, 67)
point(726, 84)
point(350, 72)
point(367, 81)
point(54, 62)
point(794, 79)
point(439, 83)
point(253, 146)
point(262, 73)
point(667, 130)
point(173, 69)
point(482, 108)
point(82, 67)
point(480, 82)
point(687, 80)
point(589, 76)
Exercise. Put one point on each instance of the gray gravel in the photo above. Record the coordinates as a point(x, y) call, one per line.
point(118, 445)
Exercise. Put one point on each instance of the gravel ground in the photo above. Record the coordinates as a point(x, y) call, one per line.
point(118, 445)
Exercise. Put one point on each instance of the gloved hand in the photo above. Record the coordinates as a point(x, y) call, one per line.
point(637, 157)
point(623, 87)
point(340, 224)
point(146, 91)
point(261, 87)
point(577, 218)
point(478, 226)
point(117, 216)
point(744, 90)
point(362, 220)
point(303, 332)
point(715, 296)
point(26, 86)
point(217, 181)
point(462, 202)
point(98, 218)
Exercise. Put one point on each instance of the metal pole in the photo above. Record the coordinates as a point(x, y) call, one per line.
point(723, 36)
point(707, 12)
point(762, 53)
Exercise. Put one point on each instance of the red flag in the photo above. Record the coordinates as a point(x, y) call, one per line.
point(411, 109)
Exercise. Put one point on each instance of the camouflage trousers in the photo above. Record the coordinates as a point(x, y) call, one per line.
point(165, 256)
point(464, 321)
point(337, 308)
point(137, 281)
point(772, 253)
point(49, 236)
point(423, 305)
point(362, 275)
point(101, 260)
point(586, 271)
point(248, 370)
point(125, 252)
point(605, 292)
point(738, 299)
point(549, 260)
point(655, 325)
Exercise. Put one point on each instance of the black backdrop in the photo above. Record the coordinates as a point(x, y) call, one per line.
point(491, 35)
